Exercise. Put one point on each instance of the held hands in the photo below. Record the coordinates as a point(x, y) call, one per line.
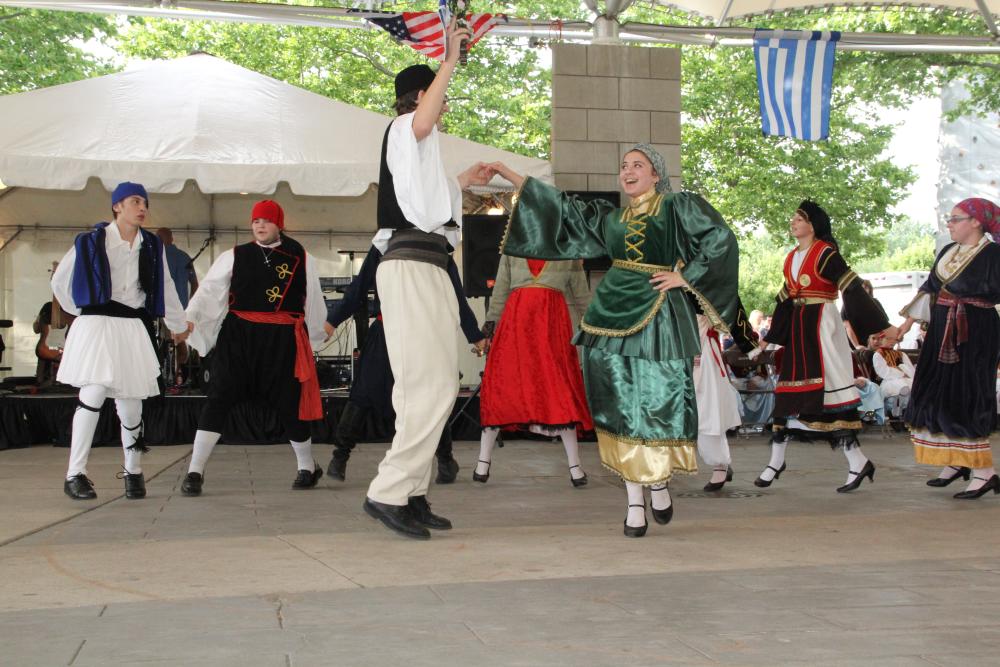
point(478, 174)
point(479, 348)
point(500, 168)
point(328, 329)
point(904, 328)
point(183, 336)
point(667, 280)
point(889, 337)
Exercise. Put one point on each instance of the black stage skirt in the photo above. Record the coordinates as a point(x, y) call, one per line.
point(958, 400)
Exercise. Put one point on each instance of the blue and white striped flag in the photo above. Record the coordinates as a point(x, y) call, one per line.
point(794, 79)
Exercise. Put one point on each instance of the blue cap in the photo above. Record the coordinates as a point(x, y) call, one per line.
point(127, 189)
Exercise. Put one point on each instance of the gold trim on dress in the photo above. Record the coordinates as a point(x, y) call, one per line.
point(961, 267)
point(638, 267)
point(643, 461)
point(905, 310)
point(799, 383)
point(846, 280)
point(622, 333)
point(838, 425)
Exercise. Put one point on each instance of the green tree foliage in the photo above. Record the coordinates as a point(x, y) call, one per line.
point(761, 263)
point(39, 49)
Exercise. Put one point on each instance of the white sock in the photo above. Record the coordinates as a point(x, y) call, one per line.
point(636, 516)
point(659, 497)
point(948, 472)
point(856, 460)
point(84, 425)
point(572, 447)
point(979, 477)
point(719, 474)
point(304, 455)
point(204, 443)
point(486, 443)
point(130, 415)
point(777, 460)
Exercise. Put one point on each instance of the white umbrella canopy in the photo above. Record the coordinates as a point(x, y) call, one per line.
point(721, 11)
point(200, 118)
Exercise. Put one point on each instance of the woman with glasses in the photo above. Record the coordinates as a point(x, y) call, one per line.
point(952, 409)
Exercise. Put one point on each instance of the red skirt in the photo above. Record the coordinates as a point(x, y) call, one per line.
point(532, 374)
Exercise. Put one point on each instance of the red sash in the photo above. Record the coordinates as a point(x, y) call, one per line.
point(310, 406)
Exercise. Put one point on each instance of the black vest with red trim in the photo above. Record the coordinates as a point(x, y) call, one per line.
point(809, 283)
point(277, 284)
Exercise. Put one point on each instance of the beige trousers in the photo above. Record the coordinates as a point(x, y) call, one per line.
point(420, 318)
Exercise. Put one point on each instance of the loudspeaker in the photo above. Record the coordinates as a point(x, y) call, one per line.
point(481, 236)
point(613, 196)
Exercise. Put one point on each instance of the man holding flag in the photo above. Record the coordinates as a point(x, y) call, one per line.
point(419, 217)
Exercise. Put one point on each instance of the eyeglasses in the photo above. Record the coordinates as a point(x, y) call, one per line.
point(950, 220)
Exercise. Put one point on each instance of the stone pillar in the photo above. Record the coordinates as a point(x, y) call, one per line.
point(606, 98)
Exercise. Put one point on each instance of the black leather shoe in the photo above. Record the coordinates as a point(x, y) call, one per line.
point(764, 483)
point(476, 477)
point(717, 486)
point(992, 484)
point(867, 471)
point(962, 472)
point(191, 486)
point(578, 481)
point(398, 518)
point(421, 511)
point(307, 480)
point(337, 468)
point(135, 485)
point(633, 531)
point(447, 471)
point(79, 487)
point(664, 516)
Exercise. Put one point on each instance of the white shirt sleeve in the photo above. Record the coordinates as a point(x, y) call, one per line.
point(919, 309)
point(883, 370)
point(62, 282)
point(908, 369)
point(173, 311)
point(210, 304)
point(423, 190)
point(315, 304)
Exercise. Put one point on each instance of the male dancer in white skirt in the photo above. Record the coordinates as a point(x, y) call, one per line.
point(419, 213)
point(260, 306)
point(115, 279)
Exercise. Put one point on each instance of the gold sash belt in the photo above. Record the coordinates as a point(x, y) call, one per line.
point(639, 267)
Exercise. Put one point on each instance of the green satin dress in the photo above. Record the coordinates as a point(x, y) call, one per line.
point(638, 343)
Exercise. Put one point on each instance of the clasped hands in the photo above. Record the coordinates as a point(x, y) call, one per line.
point(179, 338)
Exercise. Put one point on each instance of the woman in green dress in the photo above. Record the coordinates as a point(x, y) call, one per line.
point(673, 257)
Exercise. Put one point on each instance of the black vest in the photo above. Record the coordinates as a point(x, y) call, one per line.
point(267, 287)
point(390, 216)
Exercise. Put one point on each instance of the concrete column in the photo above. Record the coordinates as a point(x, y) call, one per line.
point(606, 97)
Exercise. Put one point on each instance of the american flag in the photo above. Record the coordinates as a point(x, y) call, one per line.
point(424, 31)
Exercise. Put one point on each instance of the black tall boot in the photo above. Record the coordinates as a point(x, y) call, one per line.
point(350, 429)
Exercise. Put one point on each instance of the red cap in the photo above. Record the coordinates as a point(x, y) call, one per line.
point(268, 210)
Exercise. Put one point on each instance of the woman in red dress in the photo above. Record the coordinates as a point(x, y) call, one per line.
point(533, 379)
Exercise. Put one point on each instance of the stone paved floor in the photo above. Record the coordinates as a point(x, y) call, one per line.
point(535, 572)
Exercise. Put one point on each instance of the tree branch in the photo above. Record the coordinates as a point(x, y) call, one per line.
point(6, 17)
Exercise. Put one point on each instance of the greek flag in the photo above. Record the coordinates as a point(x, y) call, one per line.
point(794, 79)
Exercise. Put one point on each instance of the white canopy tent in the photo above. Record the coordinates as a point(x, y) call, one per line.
point(205, 137)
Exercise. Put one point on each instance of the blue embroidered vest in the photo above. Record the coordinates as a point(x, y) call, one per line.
point(92, 273)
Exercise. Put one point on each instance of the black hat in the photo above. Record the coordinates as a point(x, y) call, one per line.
point(414, 77)
point(818, 218)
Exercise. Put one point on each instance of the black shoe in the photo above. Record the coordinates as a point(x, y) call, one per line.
point(398, 518)
point(337, 468)
point(79, 487)
point(962, 472)
point(867, 471)
point(717, 486)
point(307, 480)
point(662, 517)
point(763, 483)
point(992, 484)
point(476, 477)
point(578, 481)
point(447, 470)
point(191, 486)
point(135, 485)
point(421, 511)
point(632, 531)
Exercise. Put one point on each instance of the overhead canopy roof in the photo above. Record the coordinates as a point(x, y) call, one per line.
point(721, 11)
point(201, 118)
